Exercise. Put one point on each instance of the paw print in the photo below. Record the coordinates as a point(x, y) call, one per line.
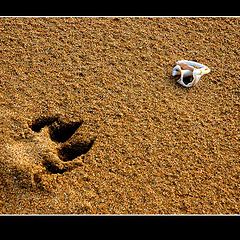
point(60, 137)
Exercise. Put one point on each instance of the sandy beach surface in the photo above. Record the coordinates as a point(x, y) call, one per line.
point(92, 122)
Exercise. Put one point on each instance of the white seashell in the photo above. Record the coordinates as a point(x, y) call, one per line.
point(189, 78)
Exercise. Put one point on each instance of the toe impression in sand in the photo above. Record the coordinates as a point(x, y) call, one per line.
point(190, 72)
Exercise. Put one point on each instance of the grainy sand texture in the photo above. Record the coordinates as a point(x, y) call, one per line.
point(92, 122)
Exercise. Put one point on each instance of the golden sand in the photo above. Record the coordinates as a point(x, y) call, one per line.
point(92, 121)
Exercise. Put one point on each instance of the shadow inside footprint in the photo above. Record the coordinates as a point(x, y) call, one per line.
point(61, 132)
point(69, 152)
point(39, 123)
point(53, 168)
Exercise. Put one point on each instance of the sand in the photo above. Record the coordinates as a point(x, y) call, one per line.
point(93, 123)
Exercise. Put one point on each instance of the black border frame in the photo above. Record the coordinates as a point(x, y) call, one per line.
point(120, 8)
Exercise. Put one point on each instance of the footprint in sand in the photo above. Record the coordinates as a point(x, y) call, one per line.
point(55, 147)
point(56, 138)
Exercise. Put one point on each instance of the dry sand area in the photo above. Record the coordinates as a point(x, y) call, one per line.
point(92, 121)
